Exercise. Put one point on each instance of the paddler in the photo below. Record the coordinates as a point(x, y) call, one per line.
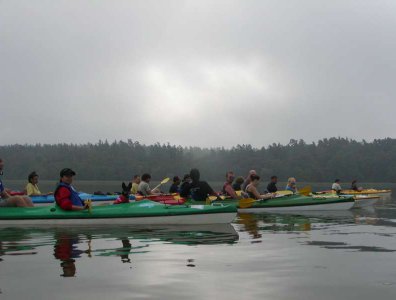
point(66, 196)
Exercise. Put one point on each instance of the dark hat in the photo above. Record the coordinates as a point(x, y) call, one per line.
point(176, 178)
point(67, 172)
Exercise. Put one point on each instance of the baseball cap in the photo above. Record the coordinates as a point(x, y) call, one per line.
point(67, 172)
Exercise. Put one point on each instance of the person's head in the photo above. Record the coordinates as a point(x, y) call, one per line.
point(230, 176)
point(354, 181)
point(291, 181)
point(146, 177)
point(176, 180)
point(1, 166)
point(66, 175)
point(33, 177)
point(239, 180)
point(254, 179)
point(186, 178)
point(274, 179)
point(337, 181)
point(194, 174)
point(136, 179)
point(251, 172)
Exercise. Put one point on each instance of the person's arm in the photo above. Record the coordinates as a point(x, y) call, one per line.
point(230, 191)
point(254, 191)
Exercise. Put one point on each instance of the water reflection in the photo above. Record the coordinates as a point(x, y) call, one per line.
point(256, 224)
point(66, 250)
point(71, 244)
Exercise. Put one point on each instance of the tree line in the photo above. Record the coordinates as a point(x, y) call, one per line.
point(321, 161)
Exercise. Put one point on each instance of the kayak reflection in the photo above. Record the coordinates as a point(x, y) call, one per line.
point(71, 244)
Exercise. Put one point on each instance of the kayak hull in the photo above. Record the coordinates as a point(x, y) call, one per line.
point(295, 203)
point(143, 212)
point(218, 218)
point(311, 207)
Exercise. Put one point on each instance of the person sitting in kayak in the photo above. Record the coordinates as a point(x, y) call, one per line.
point(228, 190)
point(66, 197)
point(200, 190)
point(135, 184)
point(144, 187)
point(336, 187)
point(271, 187)
point(291, 185)
point(174, 188)
point(124, 197)
point(185, 186)
point(252, 191)
point(6, 200)
point(355, 187)
point(237, 185)
point(32, 186)
point(248, 179)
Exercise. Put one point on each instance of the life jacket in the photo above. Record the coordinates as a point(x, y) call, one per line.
point(74, 197)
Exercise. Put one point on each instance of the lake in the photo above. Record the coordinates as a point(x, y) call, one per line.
point(343, 255)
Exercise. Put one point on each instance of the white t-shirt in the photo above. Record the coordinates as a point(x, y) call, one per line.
point(336, 187)
point(144, 188)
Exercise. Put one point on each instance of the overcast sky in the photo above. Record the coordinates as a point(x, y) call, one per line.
point(204, 73)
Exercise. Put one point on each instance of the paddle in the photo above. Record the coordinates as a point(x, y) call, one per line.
point(248, 202)
point(210, 199)
point(88, 203)
point(284, 192)
point(165, 180)
point(305, 191)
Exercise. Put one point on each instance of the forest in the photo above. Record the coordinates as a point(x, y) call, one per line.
point(320, 161)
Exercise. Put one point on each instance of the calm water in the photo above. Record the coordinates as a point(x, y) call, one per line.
point(348, 255)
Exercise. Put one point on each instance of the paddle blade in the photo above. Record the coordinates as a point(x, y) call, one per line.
point(246, 202)
point(165, 180)
point(305, 191)
point(284, 193)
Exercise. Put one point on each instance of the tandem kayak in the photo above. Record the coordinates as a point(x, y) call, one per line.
point(383, 194)
point(361, 201)
point(144, 212)
point(292, 203)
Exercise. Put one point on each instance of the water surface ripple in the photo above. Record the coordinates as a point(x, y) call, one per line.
point(344, 255)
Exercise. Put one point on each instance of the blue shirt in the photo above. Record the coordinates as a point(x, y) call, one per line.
point(1, 187)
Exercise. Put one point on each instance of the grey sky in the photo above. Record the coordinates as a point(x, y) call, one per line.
point(206, 73)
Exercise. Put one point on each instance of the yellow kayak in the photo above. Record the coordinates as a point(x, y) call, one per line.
point(366, 192)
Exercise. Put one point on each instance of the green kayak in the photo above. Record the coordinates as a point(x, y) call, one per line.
point(290, 203)
point(142, 212)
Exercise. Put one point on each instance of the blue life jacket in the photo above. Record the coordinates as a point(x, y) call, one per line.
point(74, 197)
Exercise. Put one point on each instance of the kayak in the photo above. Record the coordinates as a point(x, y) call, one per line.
point(292, 203)
point(45, 200)
point(383, 194)
point(141, 212)
point(170, 199)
